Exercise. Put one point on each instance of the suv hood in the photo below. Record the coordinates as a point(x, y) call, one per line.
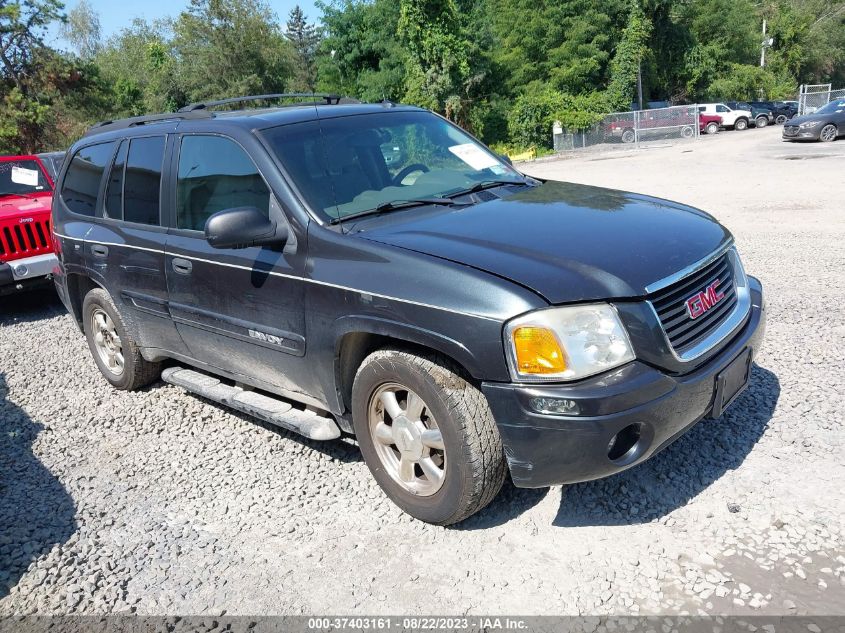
point(564, 241)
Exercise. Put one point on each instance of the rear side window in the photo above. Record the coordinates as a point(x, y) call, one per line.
point(84, 175)
point(113, 206)
point(142, 180)
point(215, 174)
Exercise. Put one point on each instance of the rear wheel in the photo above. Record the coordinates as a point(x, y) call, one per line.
point(687, 132)
point(117, 356)
point(828, 133)
point(628, 136)
point(741, 124)
point(781, 119)
point(427, 436)
point(712, 128)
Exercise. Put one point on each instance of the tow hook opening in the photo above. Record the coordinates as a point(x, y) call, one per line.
point(624, 444)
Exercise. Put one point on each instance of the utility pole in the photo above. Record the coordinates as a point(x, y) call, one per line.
point(640, 85)
point(767, 41)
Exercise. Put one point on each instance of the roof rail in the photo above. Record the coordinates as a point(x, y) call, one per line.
point(121, 124)
point(328, 99)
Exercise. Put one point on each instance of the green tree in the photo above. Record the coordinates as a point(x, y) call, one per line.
point(227, 48)
point(305, 39)
point(627, 59)
point(82, 29)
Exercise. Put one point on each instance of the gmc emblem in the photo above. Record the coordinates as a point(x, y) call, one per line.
point(702, 301)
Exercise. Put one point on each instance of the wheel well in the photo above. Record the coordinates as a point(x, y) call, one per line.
point(354, 347)
point(78, 286)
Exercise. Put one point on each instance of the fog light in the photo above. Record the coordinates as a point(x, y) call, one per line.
point(21, 271)
point(555, 406)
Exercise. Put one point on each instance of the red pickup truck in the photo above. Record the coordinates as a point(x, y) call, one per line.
point(26, 242)
point(709, 123)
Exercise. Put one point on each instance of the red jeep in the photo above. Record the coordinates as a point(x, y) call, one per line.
point(26, 242)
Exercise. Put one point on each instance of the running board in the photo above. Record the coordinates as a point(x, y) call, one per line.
point(272, 410)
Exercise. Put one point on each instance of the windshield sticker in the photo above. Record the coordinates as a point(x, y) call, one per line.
point(22, 176)
point(473, 156)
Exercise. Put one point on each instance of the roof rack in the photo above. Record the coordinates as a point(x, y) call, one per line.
point(121, 124)
point(328, 99)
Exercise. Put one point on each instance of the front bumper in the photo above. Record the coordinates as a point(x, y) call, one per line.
point(544, 449)
point(811, 134)
point(22, 273)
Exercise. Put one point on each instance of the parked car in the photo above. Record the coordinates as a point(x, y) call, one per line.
point(26, 245)
point(781, 111)
point(760, 117)
point(459, 318)
point(709, 123)
point(651, 124)
point(731, 118)
point(52, 162)
point(825, 124)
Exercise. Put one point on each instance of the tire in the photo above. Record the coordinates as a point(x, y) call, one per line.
point(828, 133)
point(628, 136)
point(712, 128)
point(781, 119)
point(467, 450)
point(741, 124)
point(102, 325)
point(687, 132)
point(761, 121)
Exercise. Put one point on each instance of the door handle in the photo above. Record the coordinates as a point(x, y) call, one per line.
point(182, 266)
point(98, 250)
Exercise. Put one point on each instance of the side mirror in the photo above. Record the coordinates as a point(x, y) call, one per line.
point(243, 227)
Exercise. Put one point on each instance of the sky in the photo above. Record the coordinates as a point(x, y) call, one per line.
point(118, 14)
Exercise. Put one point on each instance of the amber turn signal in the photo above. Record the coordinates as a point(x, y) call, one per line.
point(538, 351)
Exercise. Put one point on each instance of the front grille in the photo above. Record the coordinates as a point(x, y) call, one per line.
point(790, 130)
point(25, 239)
point(683, 331)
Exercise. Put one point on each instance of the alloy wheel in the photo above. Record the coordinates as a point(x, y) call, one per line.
point(107, 341)
point(828, 133)
point(407, 439)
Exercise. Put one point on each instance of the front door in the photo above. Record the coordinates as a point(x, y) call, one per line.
point(239, 310)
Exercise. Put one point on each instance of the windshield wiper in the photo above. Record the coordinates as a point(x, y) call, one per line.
point(393, 205)
point(485, 184)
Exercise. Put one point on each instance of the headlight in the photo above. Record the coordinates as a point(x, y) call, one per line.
point(810, 124)
point(566, 343)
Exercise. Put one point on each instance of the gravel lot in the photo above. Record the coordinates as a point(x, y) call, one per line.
point(157, 502)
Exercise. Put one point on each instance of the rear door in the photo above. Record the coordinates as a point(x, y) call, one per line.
point(125, 246)
point(239, 310)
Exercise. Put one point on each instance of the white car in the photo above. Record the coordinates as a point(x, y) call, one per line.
point(736, 119)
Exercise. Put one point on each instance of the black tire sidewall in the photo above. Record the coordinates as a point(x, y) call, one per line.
point(98, 298)
point(448, 501)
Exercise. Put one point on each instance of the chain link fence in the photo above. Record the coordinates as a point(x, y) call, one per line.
point(813, 97)
point(632, 128)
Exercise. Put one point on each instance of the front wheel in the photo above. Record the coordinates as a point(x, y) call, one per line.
point(628, 136)
point(828, 133)
point(761, 121)
point(741, 124)
point(427, 436)
point(687, 132)
point(712, 128)
point(115, 352)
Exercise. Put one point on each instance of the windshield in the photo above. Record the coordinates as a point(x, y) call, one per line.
point(831, 107)
point(21, 177)
point(346, 166)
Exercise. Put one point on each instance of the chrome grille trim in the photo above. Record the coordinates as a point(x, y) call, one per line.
point(719, 326)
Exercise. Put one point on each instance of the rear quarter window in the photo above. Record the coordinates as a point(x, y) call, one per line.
point(84, 174)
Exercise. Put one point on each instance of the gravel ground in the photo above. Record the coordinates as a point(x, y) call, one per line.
point(157, 502)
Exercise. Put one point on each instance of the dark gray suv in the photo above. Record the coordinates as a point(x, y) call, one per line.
point(373, 270)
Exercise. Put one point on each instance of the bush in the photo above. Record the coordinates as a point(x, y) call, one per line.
point(533, 114)
point(749, 83)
